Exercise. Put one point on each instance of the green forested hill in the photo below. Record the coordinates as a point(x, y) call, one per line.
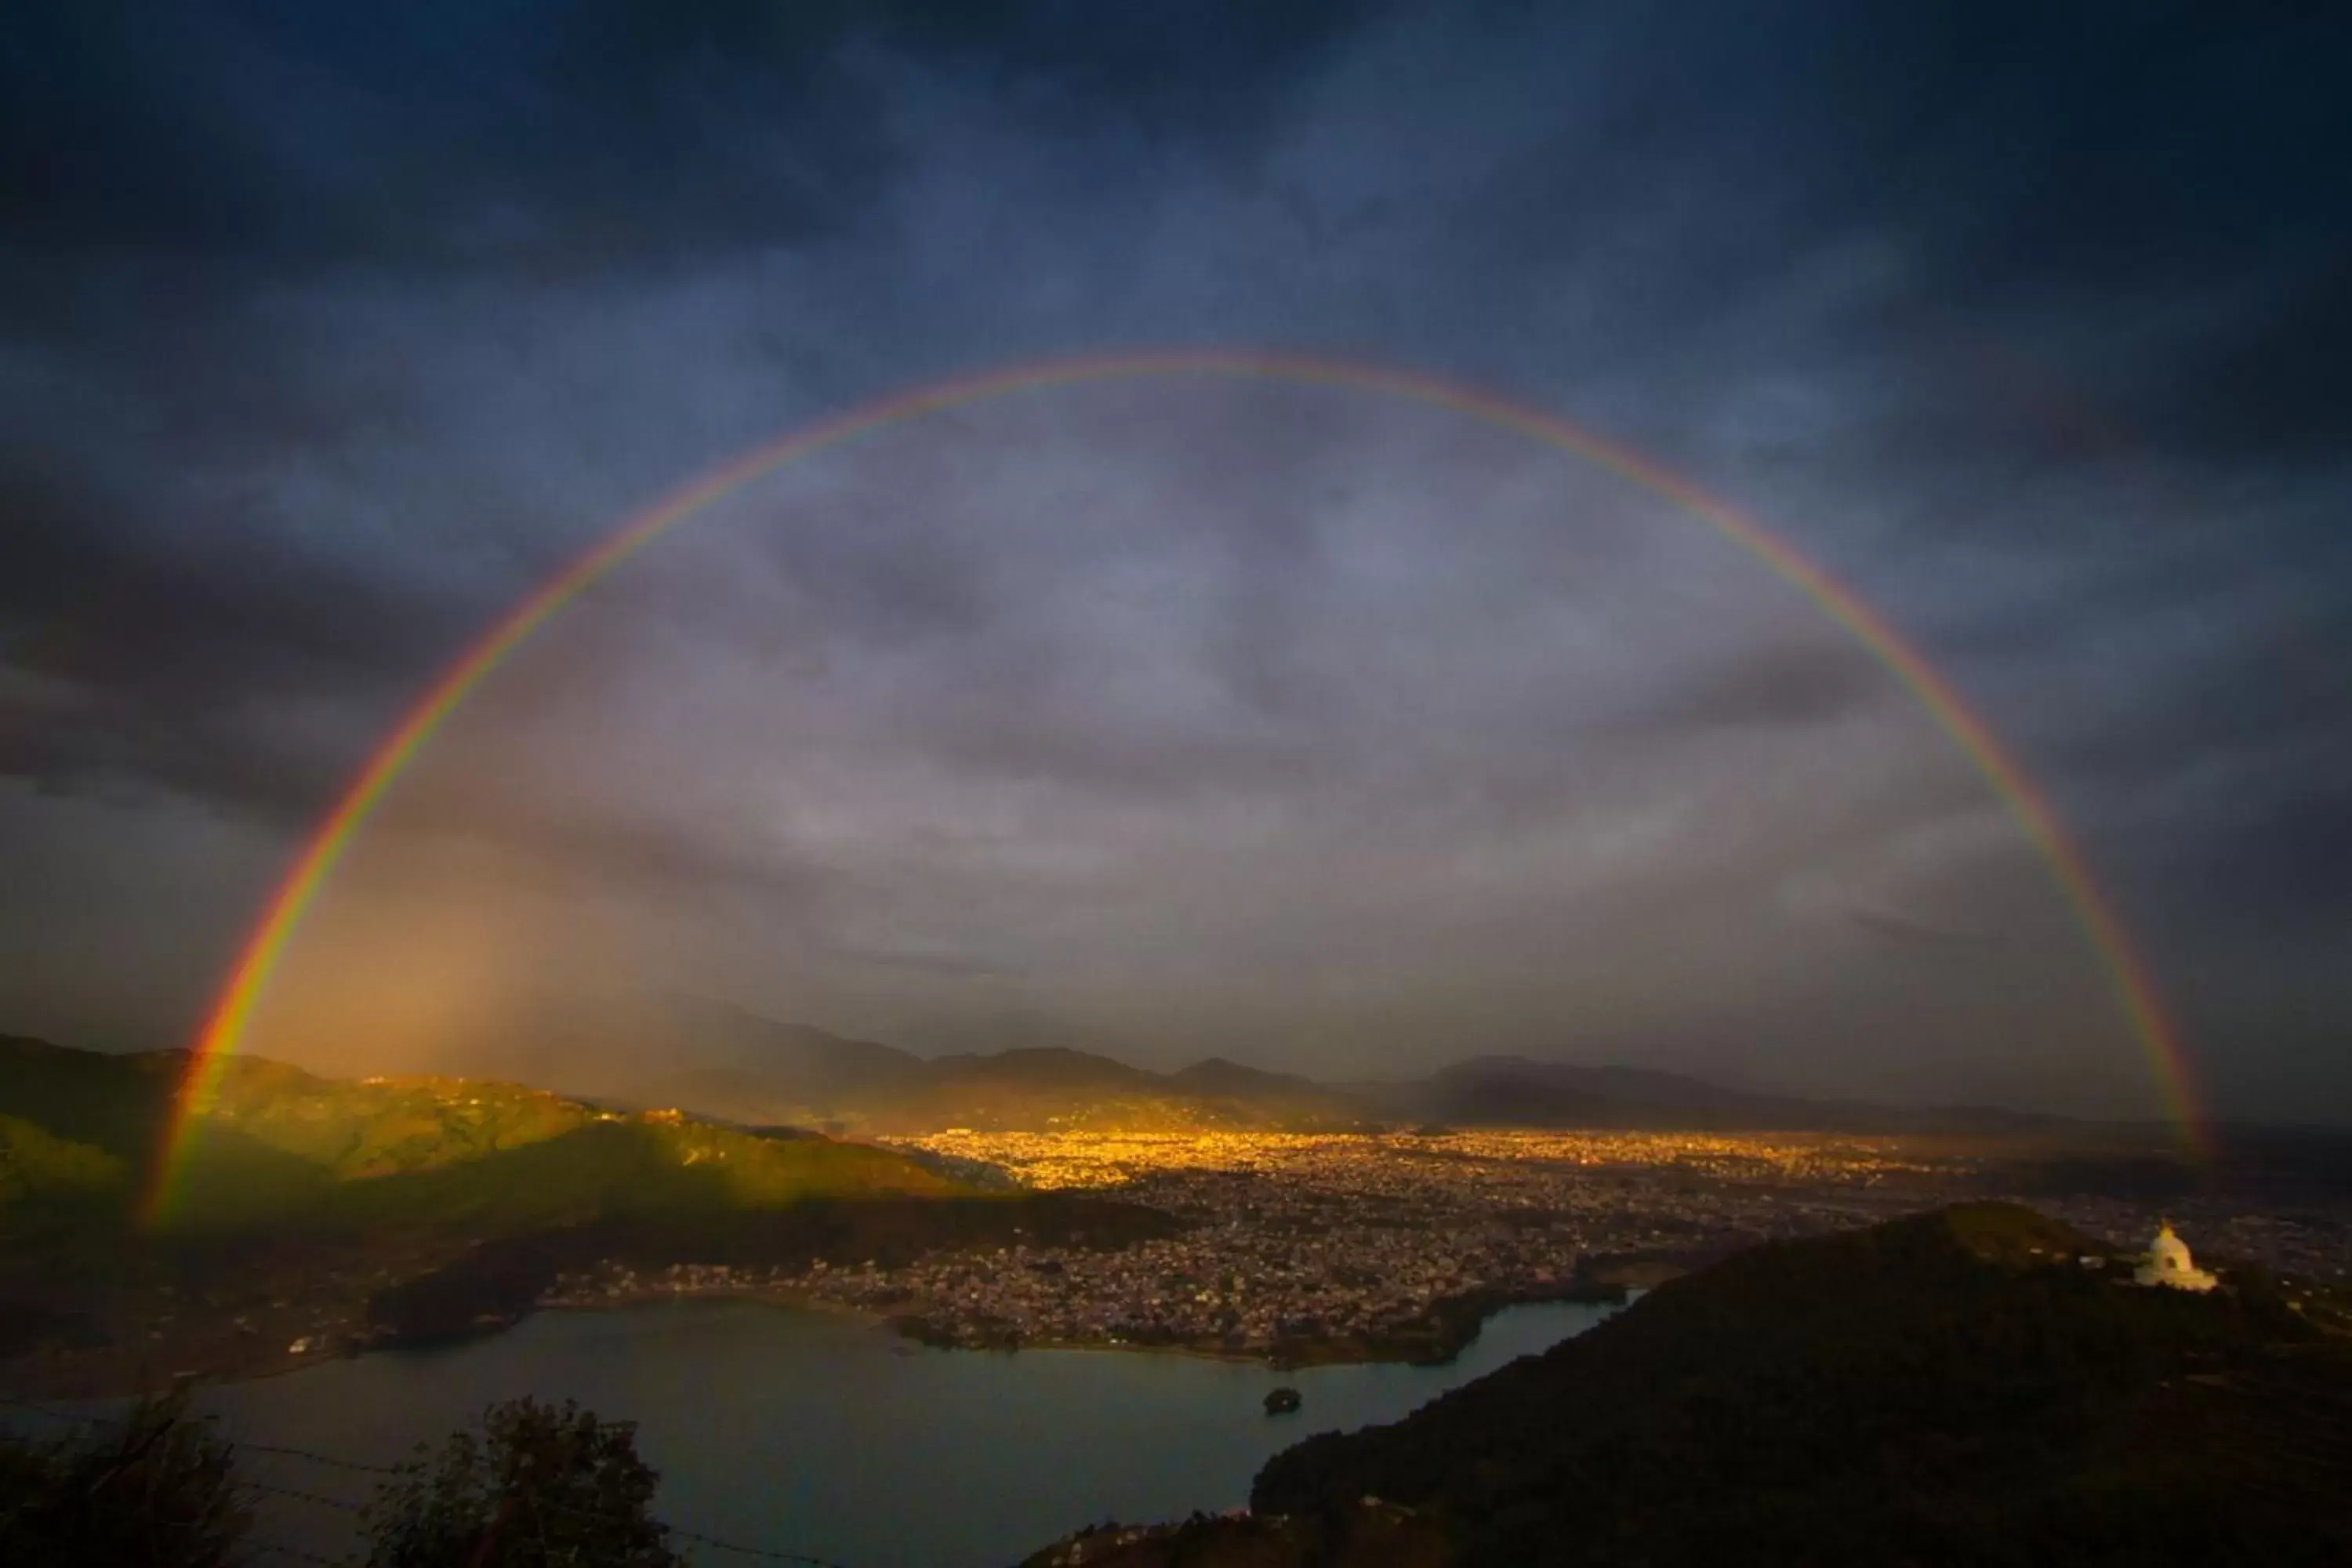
point(628, 1168)
point(116, 1104)
point(312, 1217)
point(38, 1166)
point(381, 1126)
point(79, 1132)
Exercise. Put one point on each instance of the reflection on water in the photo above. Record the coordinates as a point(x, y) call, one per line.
point(809, 1433)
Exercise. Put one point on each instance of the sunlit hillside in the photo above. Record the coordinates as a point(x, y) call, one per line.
point(82, 1134)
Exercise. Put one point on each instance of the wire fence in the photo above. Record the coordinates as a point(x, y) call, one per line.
point(246, 1485)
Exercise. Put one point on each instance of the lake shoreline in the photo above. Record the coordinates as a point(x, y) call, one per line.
point(1465, 1318)
point(1462, 1318)
point(804, 1431)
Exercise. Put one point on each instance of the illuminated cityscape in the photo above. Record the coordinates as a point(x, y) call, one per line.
point(1301, 1247)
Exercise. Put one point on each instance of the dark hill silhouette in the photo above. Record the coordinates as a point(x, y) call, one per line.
point(1956, 1388)
point(1952, 1388)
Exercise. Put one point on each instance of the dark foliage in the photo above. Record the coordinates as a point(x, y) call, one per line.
point(156, 1491)
point(531, 1486)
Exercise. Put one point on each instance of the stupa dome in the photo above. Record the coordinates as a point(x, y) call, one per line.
point(2167, 1264)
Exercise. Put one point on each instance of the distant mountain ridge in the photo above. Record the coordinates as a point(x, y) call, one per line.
point(787, 1073)
point(735, 1067)
point(1516, 1092)
point(1037, 1089)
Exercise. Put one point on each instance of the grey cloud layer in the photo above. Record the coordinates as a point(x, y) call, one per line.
point(1147, 715)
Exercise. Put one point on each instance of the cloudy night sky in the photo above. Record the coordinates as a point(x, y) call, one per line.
point(1185, 715)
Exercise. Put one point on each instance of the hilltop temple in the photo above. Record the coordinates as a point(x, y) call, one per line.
point(2167, 1264)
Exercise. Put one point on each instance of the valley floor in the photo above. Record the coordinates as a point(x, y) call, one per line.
point(1287, 1248)
point(1300, 1248)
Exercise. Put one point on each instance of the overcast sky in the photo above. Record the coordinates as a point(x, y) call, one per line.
point(1183, 716)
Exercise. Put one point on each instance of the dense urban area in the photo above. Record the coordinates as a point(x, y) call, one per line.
point(1306, 1248)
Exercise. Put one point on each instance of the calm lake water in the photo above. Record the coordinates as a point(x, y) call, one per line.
point(805, 1431)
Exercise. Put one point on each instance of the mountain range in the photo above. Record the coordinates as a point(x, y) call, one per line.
point(756, 1072)
point(767, 1105)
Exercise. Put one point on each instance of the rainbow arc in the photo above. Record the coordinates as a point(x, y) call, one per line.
point(2133, 992)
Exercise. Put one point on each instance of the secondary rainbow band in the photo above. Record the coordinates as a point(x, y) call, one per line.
point(263, 951)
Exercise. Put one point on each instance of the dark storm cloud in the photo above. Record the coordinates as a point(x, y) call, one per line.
point(559, 135)
point(562, 136)
point(170, 647)
point(2133, 205)
point(329, 330)
point(163, 166)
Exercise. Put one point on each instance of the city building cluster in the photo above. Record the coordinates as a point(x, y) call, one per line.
point(1302, 1246)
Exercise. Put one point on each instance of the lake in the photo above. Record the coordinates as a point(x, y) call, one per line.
point(806, 1432)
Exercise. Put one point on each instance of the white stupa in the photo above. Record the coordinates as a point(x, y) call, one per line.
point(2167, 1264)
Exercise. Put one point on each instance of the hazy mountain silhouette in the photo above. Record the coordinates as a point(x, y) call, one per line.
point(1514, 1091)
point(757, 1071)
point(823, 1081)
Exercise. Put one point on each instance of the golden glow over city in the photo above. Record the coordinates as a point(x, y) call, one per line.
point(1051, 1161)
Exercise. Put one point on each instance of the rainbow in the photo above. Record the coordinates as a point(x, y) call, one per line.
point(264, 950)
